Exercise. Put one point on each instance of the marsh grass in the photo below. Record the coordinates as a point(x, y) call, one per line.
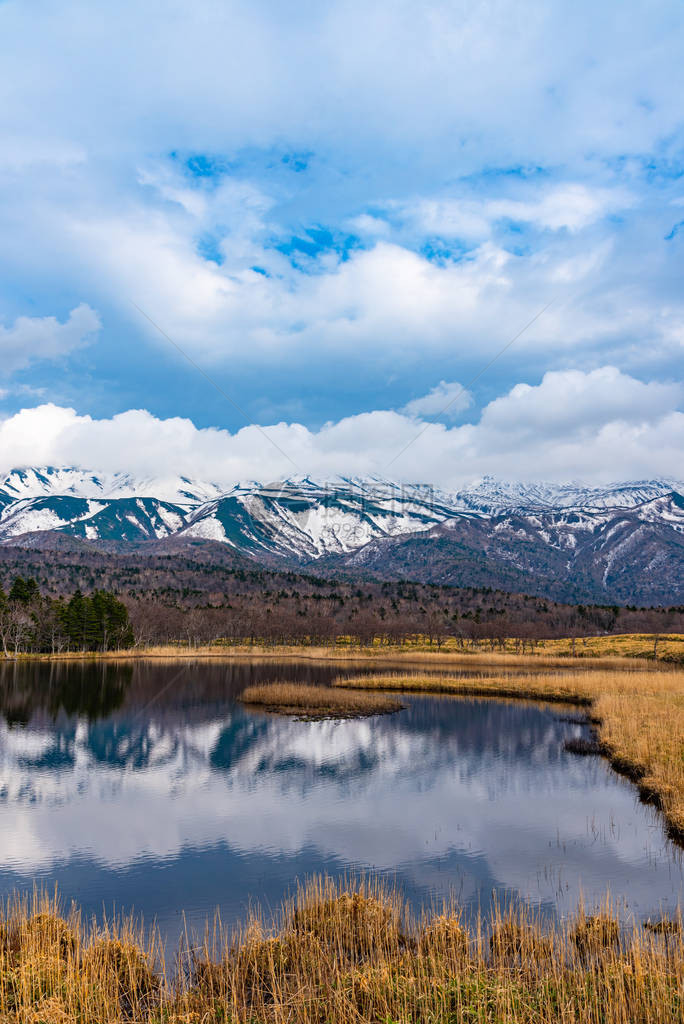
point(638, 718)
point(58, 969)
point(592, 652)
point(343, 954)
point(317, 701)
point(667, 647)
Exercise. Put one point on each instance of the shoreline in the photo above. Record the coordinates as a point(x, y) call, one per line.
point(341, 952)
point(637, 719)
point(635, 706)
point(542, 657)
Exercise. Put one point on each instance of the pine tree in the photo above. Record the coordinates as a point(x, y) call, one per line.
point(24, 591)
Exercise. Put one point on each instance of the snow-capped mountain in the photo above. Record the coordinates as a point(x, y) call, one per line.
point(307, 519)
point(493, 532)
point(495, 497)
point(49, 482)
point(299, 518)
point(617, 554)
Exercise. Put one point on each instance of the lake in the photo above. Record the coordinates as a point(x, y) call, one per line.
point(147, 787)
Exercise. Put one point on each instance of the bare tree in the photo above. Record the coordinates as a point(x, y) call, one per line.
point(15, 627)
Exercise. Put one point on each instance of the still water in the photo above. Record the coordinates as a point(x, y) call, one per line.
point(149, 788)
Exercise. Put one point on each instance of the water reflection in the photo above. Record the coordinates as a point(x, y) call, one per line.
point(88, 690)
point(149, 787)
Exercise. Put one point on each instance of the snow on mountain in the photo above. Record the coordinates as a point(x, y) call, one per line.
point(120, 519)
point(494, 497)
point(53, 482)
point(48, 482)
point(624, 555)
point(304, 519)
point(308, 519)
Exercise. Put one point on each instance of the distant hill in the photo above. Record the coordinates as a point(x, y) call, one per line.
point(193, 590)
point(622, 543)
point(626, 555)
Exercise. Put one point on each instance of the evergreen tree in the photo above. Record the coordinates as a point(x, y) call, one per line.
point(96, 623)
point(24, 591)
point(75, 621)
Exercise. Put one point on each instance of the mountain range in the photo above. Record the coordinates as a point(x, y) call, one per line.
point(622, 543)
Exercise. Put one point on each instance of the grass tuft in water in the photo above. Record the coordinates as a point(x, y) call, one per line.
point(341, 954)
point(318, 701)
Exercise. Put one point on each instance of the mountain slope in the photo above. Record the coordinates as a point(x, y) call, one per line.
point(49, 481)
point(621, 543)
point(303, 519)
point(626, 556)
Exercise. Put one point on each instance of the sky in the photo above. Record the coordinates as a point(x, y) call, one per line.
point(423, 240)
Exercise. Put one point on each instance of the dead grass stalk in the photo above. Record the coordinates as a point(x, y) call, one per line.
point(344, 954)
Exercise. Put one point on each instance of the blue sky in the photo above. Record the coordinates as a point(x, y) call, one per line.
point(342, 212)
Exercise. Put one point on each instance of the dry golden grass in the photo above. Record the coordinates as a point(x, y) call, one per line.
point(668, 647)
point(341, 955)
point(615, 655)
point(644, 735)
point(639, 716)
point(54, 969)
point(317, 701)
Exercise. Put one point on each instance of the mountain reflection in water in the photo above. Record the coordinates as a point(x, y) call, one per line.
point(149, 788)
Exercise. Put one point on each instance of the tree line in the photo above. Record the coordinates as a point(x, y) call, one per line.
point(31, 622)
point(390, 613)
point(194, 597)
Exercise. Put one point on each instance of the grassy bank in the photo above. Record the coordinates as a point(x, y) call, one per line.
point(638, 715)
point(668, 647)
point(341, 956)
point(317, 701)
point(411, 653)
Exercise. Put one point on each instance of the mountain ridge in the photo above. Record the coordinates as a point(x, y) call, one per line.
point(32, 482)
point(616, 542)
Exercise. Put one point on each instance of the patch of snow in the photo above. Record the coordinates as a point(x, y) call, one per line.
point(32, 521)
point(208, 528)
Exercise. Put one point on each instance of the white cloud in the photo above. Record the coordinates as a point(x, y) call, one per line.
point(387, 301)
point(31, 339)
point(449, 79)
point(594, 426)
point(573, 402)
point(445, 399)
point(400, 139)
point(369, 227)
point(565, 205)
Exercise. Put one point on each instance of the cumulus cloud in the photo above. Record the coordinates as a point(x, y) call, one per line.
point(387, 300)
point(277, 191)
point(31, 339)
point(111, 189)
point(445, 399)
point(248, 303)
point(573, 402)
point(594, 426)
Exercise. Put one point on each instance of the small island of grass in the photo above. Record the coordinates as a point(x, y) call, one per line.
point(317, 702)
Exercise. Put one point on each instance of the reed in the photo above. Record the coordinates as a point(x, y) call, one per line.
point(592, 652)
point(638, 716)
point(317, 701)
point(340, 954)
point(668, 647)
